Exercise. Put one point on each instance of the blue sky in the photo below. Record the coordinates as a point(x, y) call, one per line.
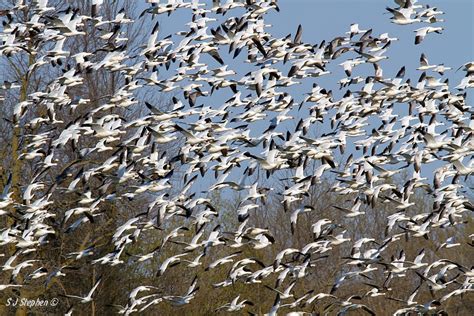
point(327, 19)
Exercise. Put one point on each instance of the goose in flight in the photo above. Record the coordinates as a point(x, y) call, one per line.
point(296, 213)
point(424, 65)
point(422, 32)
point(462, 169)
point(235, 305)
point(287, 293)
point(402, 17)
point(6, 286)
point(88, 298)
point(186, 298)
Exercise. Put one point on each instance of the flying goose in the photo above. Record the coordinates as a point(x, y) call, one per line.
point(88, 298)
point(421, 32)
point(402, 17)
point(235, 305)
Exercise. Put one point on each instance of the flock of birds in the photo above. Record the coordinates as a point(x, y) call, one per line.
point(382, 126)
